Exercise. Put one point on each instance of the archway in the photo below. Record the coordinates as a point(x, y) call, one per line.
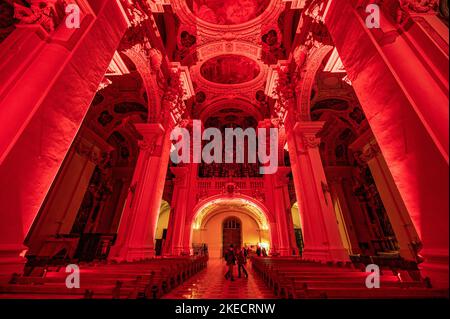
point(218, 221)
point(161, 227)
point(231, 233)
point(297, 223)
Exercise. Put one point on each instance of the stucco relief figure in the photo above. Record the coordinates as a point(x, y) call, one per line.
point(273, 49)
point(420, 6)
point(39, 13)
point(227, 12)
point(417, 6)
point(6, 19)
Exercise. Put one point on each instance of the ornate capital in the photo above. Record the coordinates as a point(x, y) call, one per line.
point(92, 153)
point(40, 12)
point(307, 135)
point(181, 174)
point(311, 141)
point(151, 142)
point(148, 146)
point(369, 152)
point(420, 6)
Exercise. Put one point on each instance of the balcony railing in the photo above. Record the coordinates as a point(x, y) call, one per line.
point(253, 187)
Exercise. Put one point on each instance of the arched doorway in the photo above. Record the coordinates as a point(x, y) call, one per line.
point(161, 227)
point(221, 222)
point(231, 233)
point(297, 223)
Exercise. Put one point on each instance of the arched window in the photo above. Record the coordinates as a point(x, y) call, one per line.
point(232, 223)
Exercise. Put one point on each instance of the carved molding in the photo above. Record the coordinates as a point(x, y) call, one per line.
point(306, 81)
point(148, 64)
point(208, 31)
point(47, 14)
point(306, 133)
point(152, 141)
point(369, 152)
point(311, 141)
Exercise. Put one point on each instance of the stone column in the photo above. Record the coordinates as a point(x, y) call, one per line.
point(176, 229)
point(410, 123)
point(369, 152)
point(135, 238)
point(277, 186)
point(321, 233)
point(47, 81)
point(63, 202)
point(338, 177)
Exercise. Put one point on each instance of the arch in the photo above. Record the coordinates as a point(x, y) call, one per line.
point(310, 70)
point(241, 104)
point(147, 67)
point(296, 217)
point(163, 219)
point(206, 52)
point(214, 205)
point(273, 10)
point(234, 199)
point(229, 225)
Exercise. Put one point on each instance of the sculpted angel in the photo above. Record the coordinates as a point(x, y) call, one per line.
point(39, 13)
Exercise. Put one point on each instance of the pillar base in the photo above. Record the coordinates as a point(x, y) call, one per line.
point(436, 267)
point(12, 260)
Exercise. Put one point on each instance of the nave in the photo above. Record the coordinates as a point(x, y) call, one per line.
point(92, 173)
point(149, 279)
point(210, 283)
point(197, 278)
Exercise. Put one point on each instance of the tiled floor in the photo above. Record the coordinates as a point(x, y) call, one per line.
point(211, 284)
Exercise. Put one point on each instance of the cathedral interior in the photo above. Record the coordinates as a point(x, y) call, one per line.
point(89, 100)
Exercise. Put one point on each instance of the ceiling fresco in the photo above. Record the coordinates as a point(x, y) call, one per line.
point(227, 12)
point(230, 69)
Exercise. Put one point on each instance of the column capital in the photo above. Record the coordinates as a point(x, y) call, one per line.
point(181, 174)
point(148, 130)
point(308, 128)
point(281, 176)
point(307, 132)
point(370, 151)
point(151, 133)
point(365, 148)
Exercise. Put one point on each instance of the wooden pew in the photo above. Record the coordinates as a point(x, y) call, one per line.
point(295, 278)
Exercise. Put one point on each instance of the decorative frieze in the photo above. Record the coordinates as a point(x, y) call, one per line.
point(151, 143)
point(369, 152)
point(307, 135)
point(47, 14)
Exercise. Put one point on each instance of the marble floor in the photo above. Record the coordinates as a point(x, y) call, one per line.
point(211, 284)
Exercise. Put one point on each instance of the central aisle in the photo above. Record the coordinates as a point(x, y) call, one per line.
point(211, 284)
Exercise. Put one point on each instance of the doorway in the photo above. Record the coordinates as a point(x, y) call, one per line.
point(232, 234)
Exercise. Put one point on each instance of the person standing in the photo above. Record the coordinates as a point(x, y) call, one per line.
point(241, 260)
point(258, 251)
point(230, 257)
point(264, 252)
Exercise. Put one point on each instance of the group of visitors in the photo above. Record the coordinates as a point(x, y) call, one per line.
point(238, 256)
point(261, 252)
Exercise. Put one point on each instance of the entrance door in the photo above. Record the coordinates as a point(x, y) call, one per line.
point(231, 234)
